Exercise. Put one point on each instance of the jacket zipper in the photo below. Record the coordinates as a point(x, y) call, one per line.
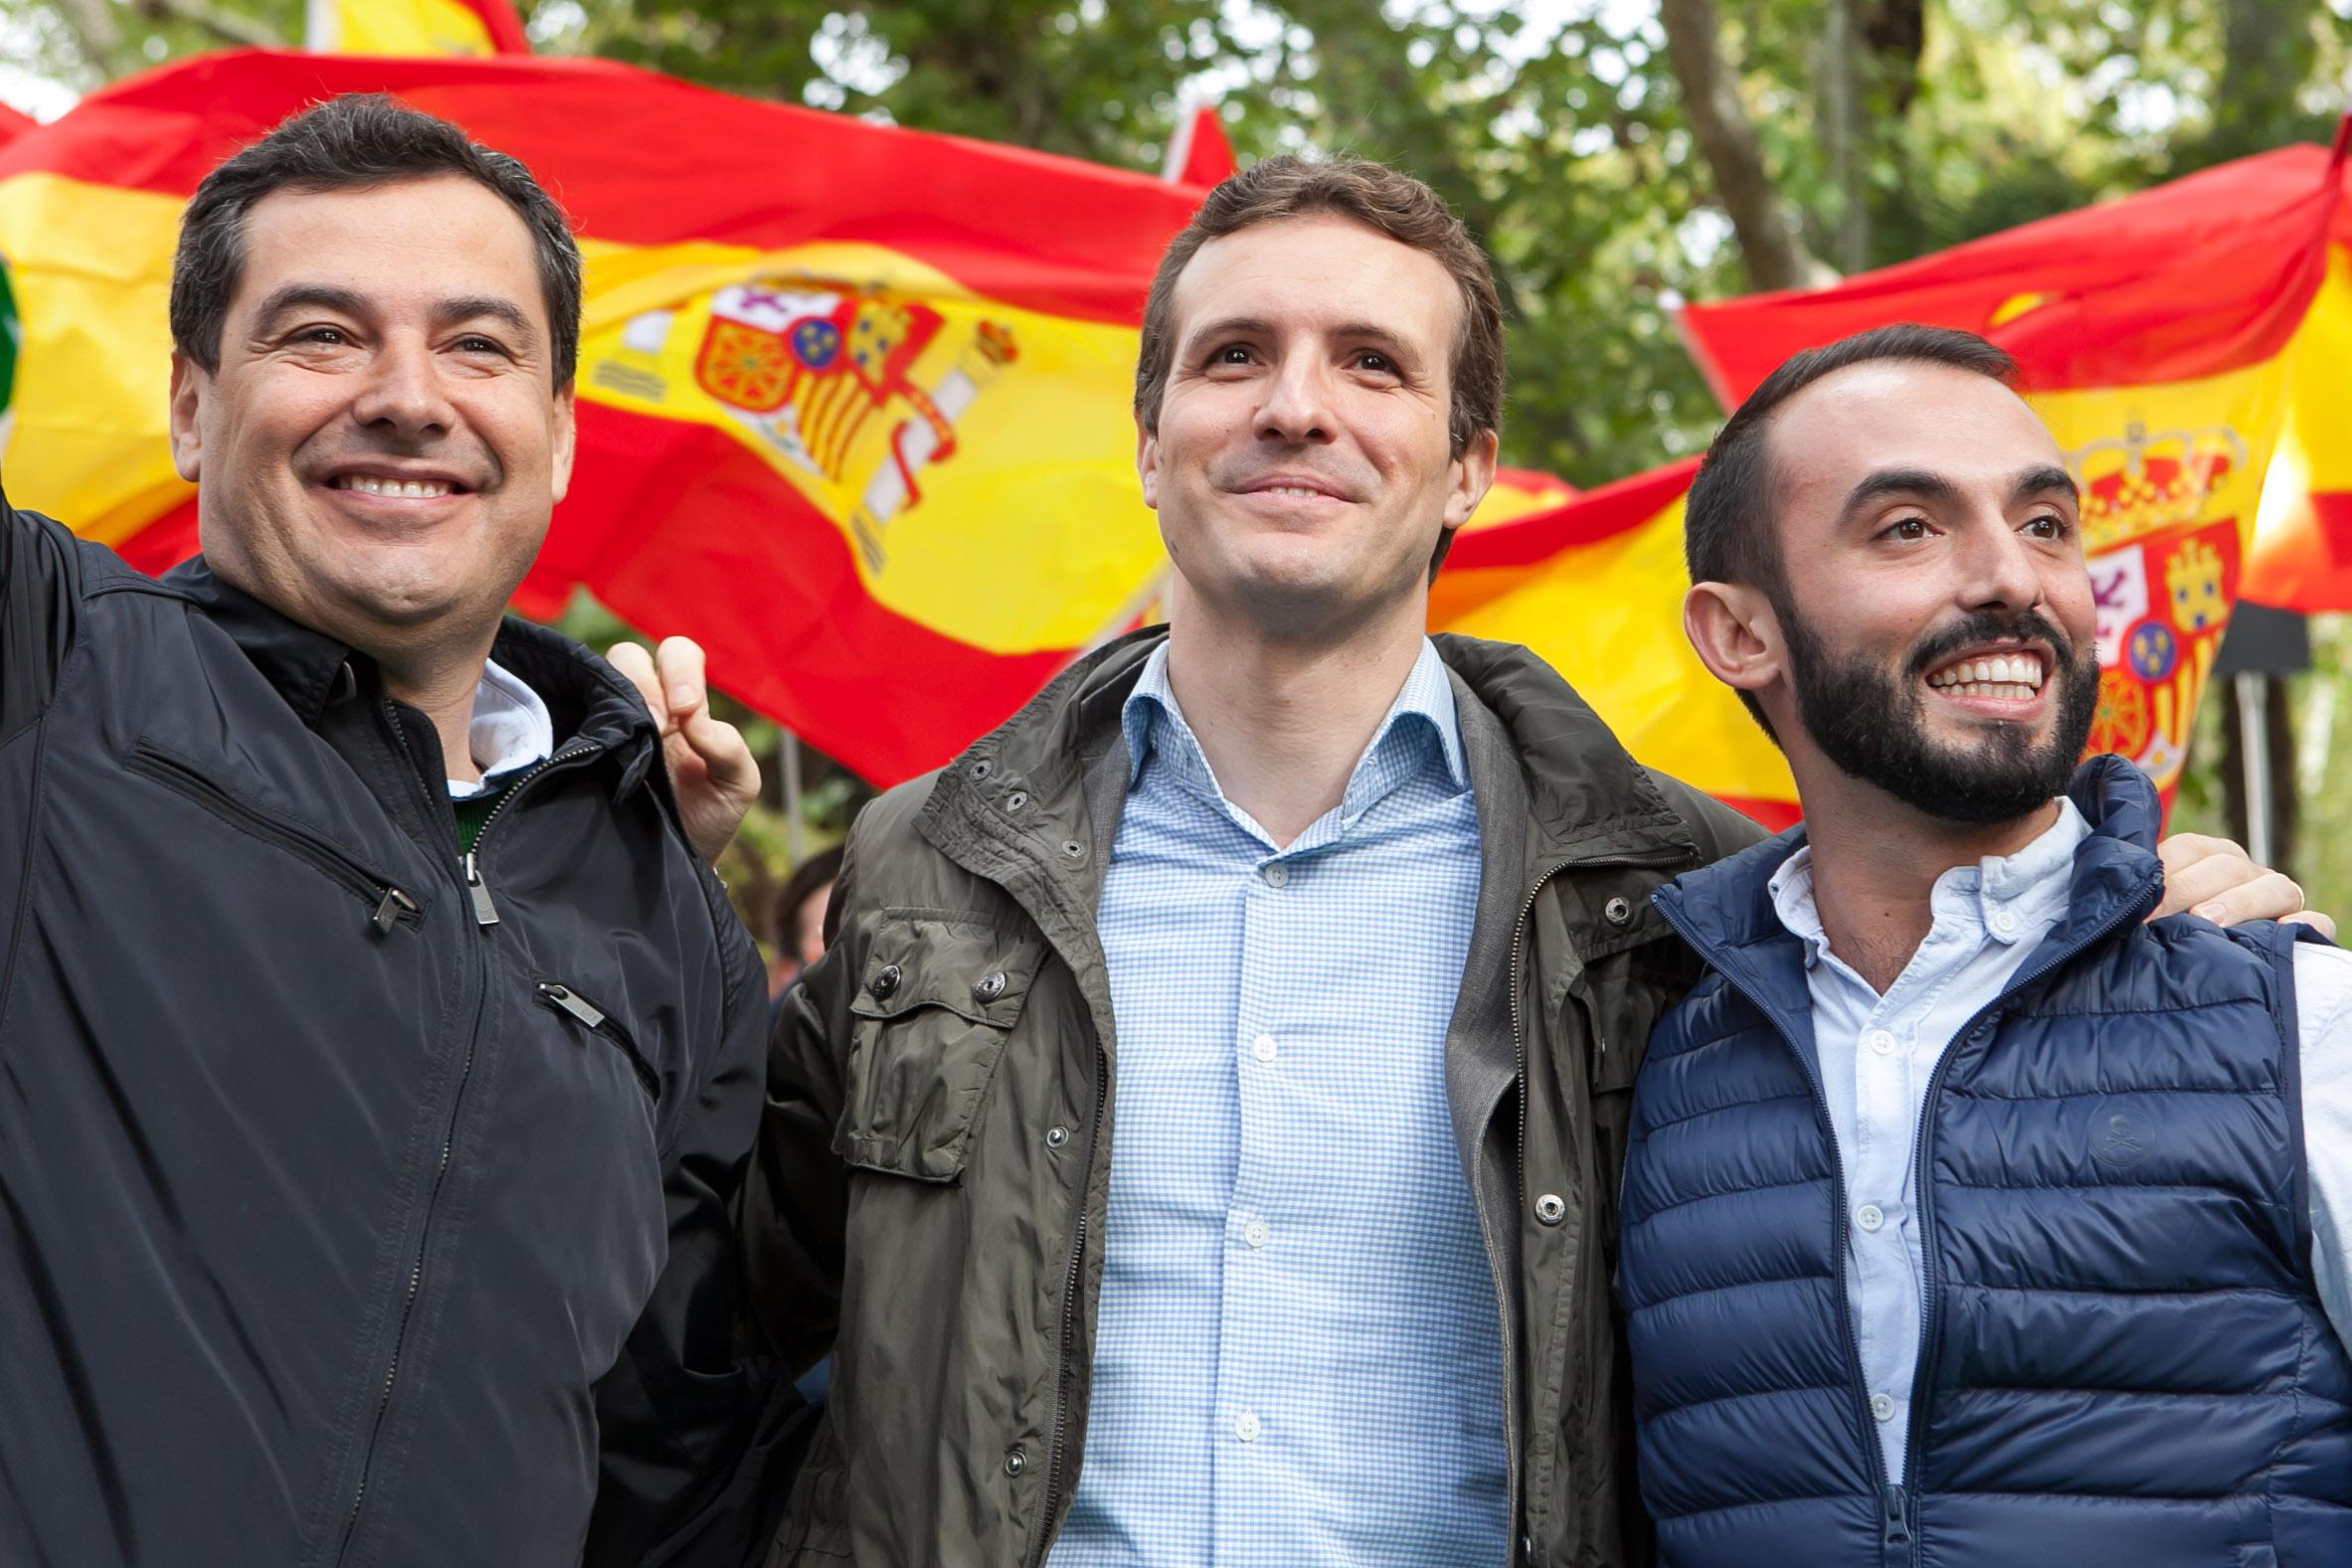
point(477, 891)
point(571, 1003)
point(469, 873)
point(1523, 1535)
point(1922, 1362)
point(391, 905)
point(1895, 1507)
point(1069, 1335)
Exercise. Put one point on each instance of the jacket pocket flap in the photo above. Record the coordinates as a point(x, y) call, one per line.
point(936, 1002)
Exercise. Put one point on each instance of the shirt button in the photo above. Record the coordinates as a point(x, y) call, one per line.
point(1881, 1042)
point(1882, 1407)
point(1869, 1216)
point(2004, 921)
point(1256, 1234)
point(1263, 1048)
point(1247, 1428)
point(1276, 875)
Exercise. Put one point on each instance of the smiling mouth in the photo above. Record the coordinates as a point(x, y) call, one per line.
point(398, 489)
point(2012, 677)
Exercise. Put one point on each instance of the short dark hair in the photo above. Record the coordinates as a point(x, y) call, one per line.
point(356, 143)
point(807, 877)
point(1383, 200)
point(1729, 530)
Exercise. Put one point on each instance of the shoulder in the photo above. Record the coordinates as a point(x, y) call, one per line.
point(2323, 991)
point(1720, 830)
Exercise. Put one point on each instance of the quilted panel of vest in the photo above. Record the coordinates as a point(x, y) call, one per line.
point(939, 997)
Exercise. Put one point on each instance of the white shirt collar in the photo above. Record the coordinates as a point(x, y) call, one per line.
point(511, 730)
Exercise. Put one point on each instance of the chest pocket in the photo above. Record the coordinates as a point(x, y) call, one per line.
point(936, 1002)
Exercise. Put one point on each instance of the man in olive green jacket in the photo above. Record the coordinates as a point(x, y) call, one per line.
point(933, 1198)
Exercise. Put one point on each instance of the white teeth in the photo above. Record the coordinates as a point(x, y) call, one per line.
point(2003, 675)
point(1293, 489)
point(405, 489)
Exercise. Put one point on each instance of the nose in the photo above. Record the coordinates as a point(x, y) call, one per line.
point(402, 392)
point(1998, 569)
point(1296, 409)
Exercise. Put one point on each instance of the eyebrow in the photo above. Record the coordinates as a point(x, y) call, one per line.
point(1259, 326)
point(1929, 486)
point(445, 313)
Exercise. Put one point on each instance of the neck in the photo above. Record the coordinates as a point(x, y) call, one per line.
point(441, 689)
point(1875, 861)
point(1283, 723)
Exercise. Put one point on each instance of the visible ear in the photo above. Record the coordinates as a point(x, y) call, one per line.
point(189, 383)
point(567, 435)
point(1736, 633)
point(1472, 473)
point(1147, 460)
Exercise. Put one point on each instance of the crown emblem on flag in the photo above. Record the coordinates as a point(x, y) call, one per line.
point(2141, 482)
point(2195, 581)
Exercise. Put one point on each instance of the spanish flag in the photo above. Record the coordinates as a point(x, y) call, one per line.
point(2302, 541)
point(853, 400)
point(2155, 336)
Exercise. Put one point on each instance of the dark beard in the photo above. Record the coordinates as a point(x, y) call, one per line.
point(1874, 726)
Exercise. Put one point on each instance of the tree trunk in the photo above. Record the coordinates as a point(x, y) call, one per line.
point(1769, 242)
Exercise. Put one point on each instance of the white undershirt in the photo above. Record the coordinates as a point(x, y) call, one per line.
point(511, 730)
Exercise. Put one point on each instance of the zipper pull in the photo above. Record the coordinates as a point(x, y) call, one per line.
point(395, 906)
point(1897, 1517)
point(573, 1002)
point(485, 913)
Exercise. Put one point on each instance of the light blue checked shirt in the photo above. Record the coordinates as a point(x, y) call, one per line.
point(1299, 1356)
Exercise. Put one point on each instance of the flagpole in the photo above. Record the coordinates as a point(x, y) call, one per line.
point(2254, 741)
point(788, 765)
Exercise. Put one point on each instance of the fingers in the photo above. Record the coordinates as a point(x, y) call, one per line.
point(632, 660)
point(725, 754)
point(2251, 894)
point(683, 686)
point(2316, 920)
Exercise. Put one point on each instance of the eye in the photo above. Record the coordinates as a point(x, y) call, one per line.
point(1231, 354)
point(2048, 526)
point(1374, 360)
point(1909, 530)
point(331, 337)
point(475, 343)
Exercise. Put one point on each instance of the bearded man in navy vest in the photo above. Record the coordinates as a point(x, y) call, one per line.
point(1970, 1217)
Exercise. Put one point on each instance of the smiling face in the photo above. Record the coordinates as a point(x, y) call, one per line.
point(379, 453)
point(1936, 619)
point(1301, 465)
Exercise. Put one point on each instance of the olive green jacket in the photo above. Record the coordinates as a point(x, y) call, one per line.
point(927, 1202)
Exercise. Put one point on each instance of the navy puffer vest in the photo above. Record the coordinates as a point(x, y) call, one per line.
point(2124, 1358)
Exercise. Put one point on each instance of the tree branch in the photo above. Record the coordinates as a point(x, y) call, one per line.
point(227, 26)
point(1777, 257)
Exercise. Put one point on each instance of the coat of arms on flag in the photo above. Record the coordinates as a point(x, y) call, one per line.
point(2163, 576)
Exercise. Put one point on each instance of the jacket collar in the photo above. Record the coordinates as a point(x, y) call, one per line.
point(1727, 910)
point(1586, 797)
point(587, 698)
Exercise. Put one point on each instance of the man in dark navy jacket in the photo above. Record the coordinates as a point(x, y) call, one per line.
point(378, 1054)
point(1970, 1218)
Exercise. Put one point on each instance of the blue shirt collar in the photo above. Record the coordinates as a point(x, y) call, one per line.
point(1420, 724)
point(2031, 887)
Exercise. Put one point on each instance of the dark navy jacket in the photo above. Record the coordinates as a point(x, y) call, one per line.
point(345, 1218)
point(2124, 1358)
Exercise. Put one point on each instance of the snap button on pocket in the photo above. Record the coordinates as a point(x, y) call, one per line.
point(1056, 1136)
point(1016, 800)
point(988, 986)
point(1549, 1209)
point(883, 983)
point(1617, 911)
point(1016, 1462)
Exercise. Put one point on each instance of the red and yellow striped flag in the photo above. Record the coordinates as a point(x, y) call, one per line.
point(2153, 336)
point(853, 400)
point(2302, 541)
